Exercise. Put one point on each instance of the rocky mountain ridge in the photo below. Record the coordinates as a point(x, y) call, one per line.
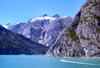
point(15, 44)
point(81, 38)
point(14, 27)
point(49, 34)
point(42, 29)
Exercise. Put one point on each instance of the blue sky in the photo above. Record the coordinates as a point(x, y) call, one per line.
point(14, 11)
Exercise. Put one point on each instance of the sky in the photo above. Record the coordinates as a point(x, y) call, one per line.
point(15, 11)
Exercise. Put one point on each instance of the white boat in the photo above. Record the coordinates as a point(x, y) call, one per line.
point(62, 60)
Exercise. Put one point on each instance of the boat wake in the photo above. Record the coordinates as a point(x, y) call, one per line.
point(78, 62)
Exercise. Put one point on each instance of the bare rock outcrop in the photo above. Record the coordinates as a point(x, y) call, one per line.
point(81, 38)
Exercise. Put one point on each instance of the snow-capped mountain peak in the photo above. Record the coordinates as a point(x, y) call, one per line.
point(42, 18)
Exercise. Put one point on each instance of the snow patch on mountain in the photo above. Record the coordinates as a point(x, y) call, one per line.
point(42, 18)
point(16, 23)
point(5, 27)
point(64, 16)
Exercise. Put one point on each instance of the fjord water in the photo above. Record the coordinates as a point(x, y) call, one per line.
point(40, 61)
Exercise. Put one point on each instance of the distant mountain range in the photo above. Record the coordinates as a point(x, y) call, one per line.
point(16, 44)
point(43, 30)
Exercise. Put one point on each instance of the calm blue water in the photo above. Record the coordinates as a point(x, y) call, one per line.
point(40, 61)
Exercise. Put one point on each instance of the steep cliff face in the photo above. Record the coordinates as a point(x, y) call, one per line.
point(50, 32)
point(81, 38)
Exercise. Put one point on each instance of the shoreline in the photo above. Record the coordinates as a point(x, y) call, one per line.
point(70, 57)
